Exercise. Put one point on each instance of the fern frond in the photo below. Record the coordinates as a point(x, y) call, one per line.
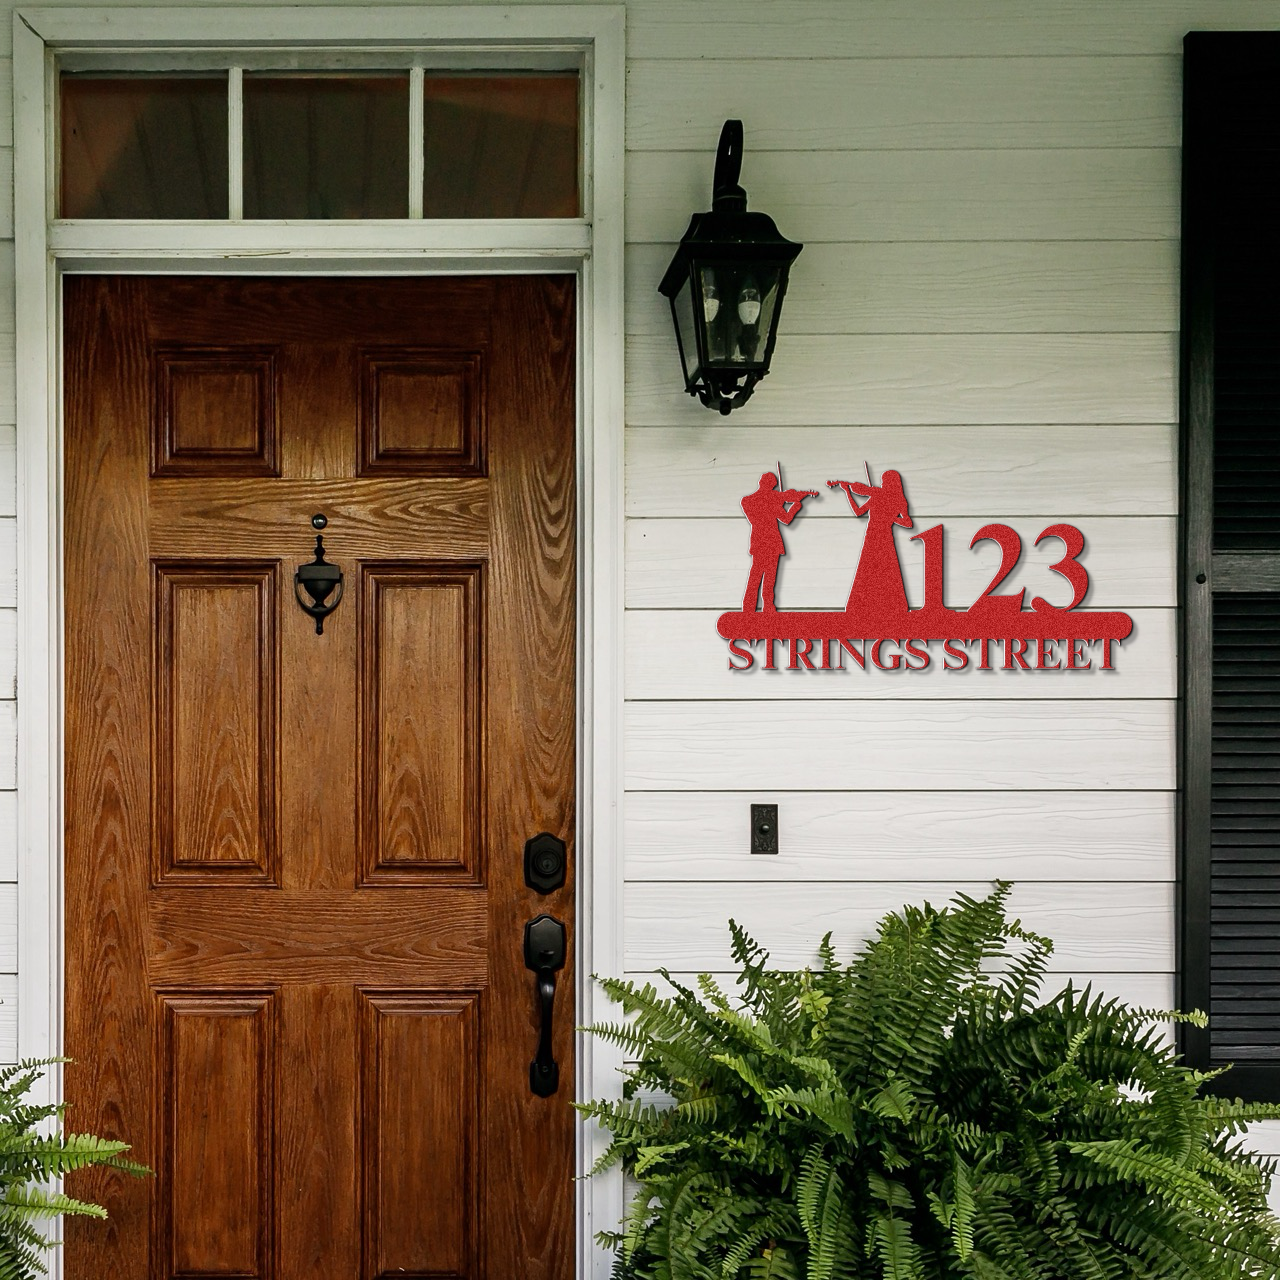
point(922, 1112)
point(32, 1202)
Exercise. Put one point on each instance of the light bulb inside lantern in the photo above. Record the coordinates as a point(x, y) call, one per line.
point(749, 304)
point(710, 300)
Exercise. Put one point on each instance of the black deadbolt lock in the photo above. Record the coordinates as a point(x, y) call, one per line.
point(544, 863)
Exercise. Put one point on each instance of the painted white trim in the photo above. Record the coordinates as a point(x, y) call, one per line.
point(39, 554)
point(235, 143)
point(445, 27)
point(600, 884)
point(417, 143)
point(385, 57)
point(567, 239)
point(591, 246)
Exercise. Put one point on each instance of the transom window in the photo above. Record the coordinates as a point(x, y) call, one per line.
point(242, 143)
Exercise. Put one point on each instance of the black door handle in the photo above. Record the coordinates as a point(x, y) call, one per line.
point(544, 954)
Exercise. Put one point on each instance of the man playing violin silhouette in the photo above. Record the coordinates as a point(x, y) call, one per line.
point(766, 509)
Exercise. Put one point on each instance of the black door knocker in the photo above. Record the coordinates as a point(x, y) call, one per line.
point(319, 578)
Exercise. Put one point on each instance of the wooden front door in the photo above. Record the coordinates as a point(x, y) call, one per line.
point(295, 893)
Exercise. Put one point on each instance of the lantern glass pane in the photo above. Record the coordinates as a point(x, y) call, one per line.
point(682, 307)
point(739, 304)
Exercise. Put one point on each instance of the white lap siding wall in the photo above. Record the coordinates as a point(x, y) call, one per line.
point(988, 302)
point(988, 193)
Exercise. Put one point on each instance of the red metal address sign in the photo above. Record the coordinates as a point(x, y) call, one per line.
point(878, 627)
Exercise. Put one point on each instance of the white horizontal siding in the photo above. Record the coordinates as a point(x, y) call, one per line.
point(8, 928)
point(884, 836)
point(900, 745)
point(943, 29)
point(8, 363)
point(7, 316)
point(6, 186)
point(8, 467)
point(8, 767)
point(8, 563)
point(848, 196)
point(953, 471)
point(8, 654)
point(683, 926)
point(840, 104)
point(8, 359)
point(8, 878)
point(9, 637)
point(987, 301)
point(8, 837)
point(1120, 286)
point(909, 379)
point(1265, 1136)
point(8, 1017)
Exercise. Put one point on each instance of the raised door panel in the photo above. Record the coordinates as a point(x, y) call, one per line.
point(422, 412)
point(216, 1087)
point(422, 653)
point(215, 411)
point(419, 1149)
point(216, 732)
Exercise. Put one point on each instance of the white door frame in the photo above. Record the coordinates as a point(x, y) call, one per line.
point(591, 247)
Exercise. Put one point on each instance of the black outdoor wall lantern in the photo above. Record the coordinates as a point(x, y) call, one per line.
point(726, 285)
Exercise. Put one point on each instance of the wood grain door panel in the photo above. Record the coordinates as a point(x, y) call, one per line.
point(295, 899)
point(216, 739)
point(420, 1112)
point(215, 411)
point(422, 412)
point(216, 1135)
point(421, 709)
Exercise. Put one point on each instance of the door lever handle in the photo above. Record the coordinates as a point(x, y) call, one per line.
point(544, 944)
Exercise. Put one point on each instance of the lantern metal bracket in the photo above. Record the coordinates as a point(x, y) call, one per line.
point(726, 194)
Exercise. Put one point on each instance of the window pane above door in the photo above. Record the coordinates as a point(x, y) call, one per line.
point(281, 141)
point(326, 146)
point(500, 146)
point(144, 146)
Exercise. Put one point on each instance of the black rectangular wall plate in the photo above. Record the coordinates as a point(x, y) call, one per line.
point(764, 828)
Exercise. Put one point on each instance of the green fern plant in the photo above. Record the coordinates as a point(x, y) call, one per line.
point(31, 1157)
point(922, 1114)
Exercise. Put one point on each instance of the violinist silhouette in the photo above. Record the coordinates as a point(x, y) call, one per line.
point(877, 585)
point(766, 509)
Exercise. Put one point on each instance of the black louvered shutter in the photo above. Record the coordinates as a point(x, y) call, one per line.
point(1229, 959)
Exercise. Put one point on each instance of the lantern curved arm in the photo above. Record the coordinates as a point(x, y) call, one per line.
point(728, 163)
